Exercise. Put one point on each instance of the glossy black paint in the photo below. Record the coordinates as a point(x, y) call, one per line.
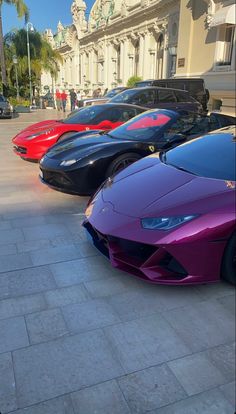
point(95, 151)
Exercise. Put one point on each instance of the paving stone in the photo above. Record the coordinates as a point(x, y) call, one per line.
point(27, 281)
point(196, 373)
point(223, 358)
point(105, 398)
point(21, 305)
point(66, 296)
point(76, 271)
point(13, 334)
point(229, 303)
point(209, 402)
point(54, 255)
point(229, 391)
point(60, 405)
point(48, 231)
point(11, 236)
point(15, 262)
point(65, 365)
point(7, 249)
point(5, 225)
point(106, 287)
point(151, 388)
point(27, 222)
point(215, 290)
point(7, 384)
point(145, 342)
point(203, 326)
point(30, 246)
point(86, 250)
point(45, 326)
point(142, 299)
point(89, 315)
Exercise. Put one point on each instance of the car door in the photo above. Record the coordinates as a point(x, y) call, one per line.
point(146, 98)
point(185, 102)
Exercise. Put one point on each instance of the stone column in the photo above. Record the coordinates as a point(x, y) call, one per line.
point(126, 61)
point(165, 52)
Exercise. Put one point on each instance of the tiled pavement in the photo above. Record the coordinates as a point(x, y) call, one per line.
point(78, 337)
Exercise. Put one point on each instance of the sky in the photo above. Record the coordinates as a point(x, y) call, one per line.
point(43, 14)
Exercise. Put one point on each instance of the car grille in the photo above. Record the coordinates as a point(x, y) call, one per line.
point(56, 179)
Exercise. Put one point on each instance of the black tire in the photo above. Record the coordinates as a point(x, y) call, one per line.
point(228, 271)
point(121, 162)
point(66, 135)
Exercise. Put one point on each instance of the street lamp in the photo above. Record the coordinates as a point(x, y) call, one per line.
point(29, 27)
point(15, 61)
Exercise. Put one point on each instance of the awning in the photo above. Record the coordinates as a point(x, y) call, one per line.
point(224, 16)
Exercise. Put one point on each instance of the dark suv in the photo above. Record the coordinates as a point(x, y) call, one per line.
point(154, 97)
point(195, 86)
point(5, 108)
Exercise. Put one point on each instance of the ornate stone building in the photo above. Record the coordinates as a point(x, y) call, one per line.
point(121, 38)
point(151, 39)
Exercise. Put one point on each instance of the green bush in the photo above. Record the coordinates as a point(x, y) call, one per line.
point(131, 81)
point(20, 101)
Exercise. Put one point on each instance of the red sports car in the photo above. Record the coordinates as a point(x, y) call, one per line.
point(170, 218)
point(34, 141)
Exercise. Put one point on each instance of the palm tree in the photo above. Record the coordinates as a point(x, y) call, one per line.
point(22, 11)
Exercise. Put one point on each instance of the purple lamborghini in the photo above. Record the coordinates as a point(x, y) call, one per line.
point(170, 217)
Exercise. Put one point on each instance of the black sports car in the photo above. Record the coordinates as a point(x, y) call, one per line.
point(79, 165)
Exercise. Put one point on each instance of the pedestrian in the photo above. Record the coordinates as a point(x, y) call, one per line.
point(64, 100)
point(73, 99)
point(58, 100)
point(97, 93)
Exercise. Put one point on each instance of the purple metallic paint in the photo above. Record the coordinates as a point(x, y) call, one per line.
point(150, 188)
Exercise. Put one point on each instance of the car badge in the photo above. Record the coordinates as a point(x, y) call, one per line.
point(87, 129)
point(230, 184)
point(152, 148)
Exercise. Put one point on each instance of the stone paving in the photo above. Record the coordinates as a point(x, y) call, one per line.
point(78, 337)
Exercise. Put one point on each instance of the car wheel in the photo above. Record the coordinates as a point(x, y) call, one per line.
point(66, 135)
point(121, 162)
point(229, 261)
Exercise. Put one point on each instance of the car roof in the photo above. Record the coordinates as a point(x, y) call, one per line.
point(141, 88)
point(117, 104)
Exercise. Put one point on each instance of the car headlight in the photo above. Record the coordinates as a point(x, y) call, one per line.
point(165, 223)
point(37, 134)
point(67, 163)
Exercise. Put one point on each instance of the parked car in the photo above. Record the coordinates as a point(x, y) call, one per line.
point(154, 97)
point(170, 218)
point(97, 101)
point(195, 86)
point(80, 166)
point(34, 141)
point(6, 109)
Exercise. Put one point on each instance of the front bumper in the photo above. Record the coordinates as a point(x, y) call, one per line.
point(173, 262)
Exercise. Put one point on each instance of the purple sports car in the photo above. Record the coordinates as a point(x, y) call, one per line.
point(170, 218)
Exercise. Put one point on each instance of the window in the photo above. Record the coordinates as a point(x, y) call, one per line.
point(225, 45)
point(166, 96)
point(145, 97)
point(182, 97)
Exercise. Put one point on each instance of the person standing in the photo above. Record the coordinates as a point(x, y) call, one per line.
point(73, 98)
point(64, 100)
point(58, 100)
point(78, 98)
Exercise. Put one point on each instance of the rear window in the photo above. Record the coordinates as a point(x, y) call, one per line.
point(182, 97)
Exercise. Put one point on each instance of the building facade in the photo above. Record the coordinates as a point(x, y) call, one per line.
point(151, 39)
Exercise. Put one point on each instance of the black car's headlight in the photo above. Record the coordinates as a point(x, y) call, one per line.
point(165, 223)
point(68, 163)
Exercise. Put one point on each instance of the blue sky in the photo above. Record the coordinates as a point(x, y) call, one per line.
point(43, 14)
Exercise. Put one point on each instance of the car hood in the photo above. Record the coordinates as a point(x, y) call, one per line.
point(150, 188)
point(81, 144)
point(42, 125)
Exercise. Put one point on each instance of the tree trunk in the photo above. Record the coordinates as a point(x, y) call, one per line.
point(2, 56)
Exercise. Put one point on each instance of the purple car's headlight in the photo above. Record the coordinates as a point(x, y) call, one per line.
point(165, 223)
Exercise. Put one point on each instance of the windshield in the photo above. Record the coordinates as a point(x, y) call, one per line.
point(142, 127)
point(211, 156)
point(112, 93)
point(85, 115)
point(125, 96)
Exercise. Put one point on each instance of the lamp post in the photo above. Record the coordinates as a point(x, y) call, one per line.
point(30, 27)
point(15, 61)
